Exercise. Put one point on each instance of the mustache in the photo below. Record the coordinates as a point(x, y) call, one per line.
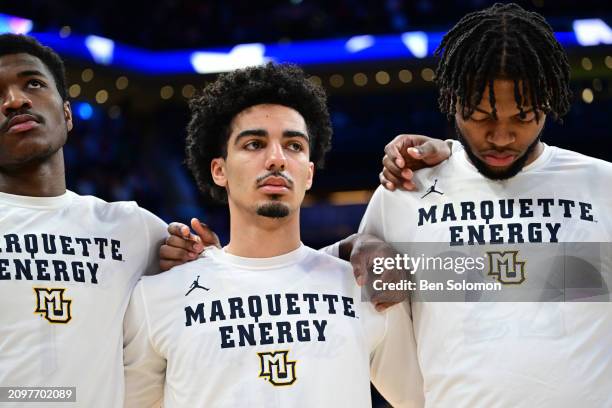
point(5, 125)
point(276, 173)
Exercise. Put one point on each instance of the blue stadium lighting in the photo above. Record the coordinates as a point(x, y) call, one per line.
point(241, 56)
point(416, 42)
point(14, 25)
point(349, 50)
point(84, 110)
point(101, 49)
point(593, 31)
point(359, 43)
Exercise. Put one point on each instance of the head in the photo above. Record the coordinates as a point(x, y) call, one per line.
point(501, 74)
point(35, 116)
point(256, 136)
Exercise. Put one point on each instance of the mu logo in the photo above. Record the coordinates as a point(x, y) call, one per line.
point(276, 367)
point(52, 305)
point(506, 267)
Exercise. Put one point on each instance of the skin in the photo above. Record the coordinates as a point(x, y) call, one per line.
point(498, 143)
point(265, 142)
point(31, 156)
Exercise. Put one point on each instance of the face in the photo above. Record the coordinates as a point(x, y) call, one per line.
point(500, 148)
point(34, 121)
point(267, 169)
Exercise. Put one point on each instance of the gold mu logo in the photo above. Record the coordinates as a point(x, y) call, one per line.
point(52, 305)
point(506, 267)
point(276, 368)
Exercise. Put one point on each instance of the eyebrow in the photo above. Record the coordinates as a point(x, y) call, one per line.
point(488, 113)
point(264, 133)
point(31, 72)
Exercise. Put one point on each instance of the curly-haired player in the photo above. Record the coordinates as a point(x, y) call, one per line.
point(213, 110)
point(270, 322)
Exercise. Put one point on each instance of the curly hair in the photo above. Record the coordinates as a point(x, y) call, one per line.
point(17, 44)
point(503, 41)
point(212, 112)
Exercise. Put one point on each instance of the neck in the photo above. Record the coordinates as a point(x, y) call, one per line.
point(537, 152)
point(254, 236)
point(40, 179)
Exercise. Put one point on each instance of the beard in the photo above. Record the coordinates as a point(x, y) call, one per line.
point(486, 170)
point(274, 209)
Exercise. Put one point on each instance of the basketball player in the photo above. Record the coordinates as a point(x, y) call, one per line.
point(265, 321)
point(502, 74)
point(68, 263)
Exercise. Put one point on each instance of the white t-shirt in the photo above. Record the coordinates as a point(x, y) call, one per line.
point(67, 268)
point(508, 354)
point(286, 331)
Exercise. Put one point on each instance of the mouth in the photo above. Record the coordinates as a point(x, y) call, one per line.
point(21, 123)
point(499, 159)
point(274, 185)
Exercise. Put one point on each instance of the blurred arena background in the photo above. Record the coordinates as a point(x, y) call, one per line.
point(132, 66)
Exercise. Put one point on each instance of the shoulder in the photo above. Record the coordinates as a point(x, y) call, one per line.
point(568, 160)
point(179, 278)
point(103, 208)
point(323, 259)
point(115, 211)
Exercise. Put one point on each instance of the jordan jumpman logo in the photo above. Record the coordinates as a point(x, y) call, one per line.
point(432, 189)
point(194, 285)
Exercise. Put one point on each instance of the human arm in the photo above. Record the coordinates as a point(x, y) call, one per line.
point(407, 153)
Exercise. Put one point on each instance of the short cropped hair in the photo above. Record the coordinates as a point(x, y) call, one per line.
point(18, 44)
point(213, 110)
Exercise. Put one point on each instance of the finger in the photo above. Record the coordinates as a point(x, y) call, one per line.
point(207, 235)
point(385, 183)
point(358, 273)
point(171, 253)
point(388, 163)
point(182, 243)
point(178, 229)
point(382, 306)
point(409, 186)
point(397, 183)
point(392, 151)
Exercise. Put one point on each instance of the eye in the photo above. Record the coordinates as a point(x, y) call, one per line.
point(479, 118)
point(253, 145)
point(35, 84)
point(295, 146)
point(527, 118)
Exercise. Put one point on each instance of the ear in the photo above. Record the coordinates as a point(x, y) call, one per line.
point(311, 170)
point(217, 170)
point(68, 115)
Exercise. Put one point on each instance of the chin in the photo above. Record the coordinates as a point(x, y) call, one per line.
point(273, 209)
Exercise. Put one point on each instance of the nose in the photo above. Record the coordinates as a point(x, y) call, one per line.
point(276, 159)
point(15, 99)
point(501, 135)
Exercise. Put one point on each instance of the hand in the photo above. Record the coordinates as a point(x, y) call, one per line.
point(361, 250)
point(407, 153)
point(183, 246)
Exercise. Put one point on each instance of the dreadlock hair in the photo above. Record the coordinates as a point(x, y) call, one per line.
point(503, 41)
point(17, 43)
point(213, 110)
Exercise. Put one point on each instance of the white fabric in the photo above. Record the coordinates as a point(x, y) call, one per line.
point(508, 354)
point(176, 355)
point(60, 241)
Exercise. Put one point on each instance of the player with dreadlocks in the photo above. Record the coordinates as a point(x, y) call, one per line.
point(501, 74)
point(503, 42)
